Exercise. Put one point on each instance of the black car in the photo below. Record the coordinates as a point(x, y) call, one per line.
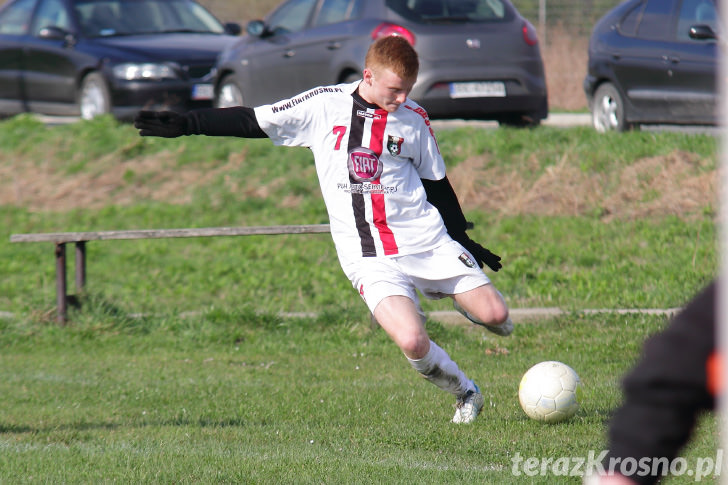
point(90, 57)
point(479, 59)
point(654, 62)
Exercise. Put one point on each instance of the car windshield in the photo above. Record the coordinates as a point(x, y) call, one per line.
point(104, 18)
point(451, 10)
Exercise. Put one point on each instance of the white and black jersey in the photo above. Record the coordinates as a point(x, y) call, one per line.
point(369, 163)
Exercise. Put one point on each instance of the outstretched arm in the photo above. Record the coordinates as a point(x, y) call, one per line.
point(237, 121)
point(441, 194)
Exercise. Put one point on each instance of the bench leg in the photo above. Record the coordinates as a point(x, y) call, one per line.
point(61, 282)
point(80, 267)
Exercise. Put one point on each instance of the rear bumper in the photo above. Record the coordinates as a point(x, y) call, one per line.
point(130, 98)
point(535, 107)
point(525, 92)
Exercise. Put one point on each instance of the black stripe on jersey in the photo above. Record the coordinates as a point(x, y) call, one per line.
point(356, 135)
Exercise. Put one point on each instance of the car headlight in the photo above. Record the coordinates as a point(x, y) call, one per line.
point(148, 70)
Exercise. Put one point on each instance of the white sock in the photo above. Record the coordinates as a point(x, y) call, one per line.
point(438, 368)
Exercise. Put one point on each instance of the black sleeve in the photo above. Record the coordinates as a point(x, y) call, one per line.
point(237, 121)
point(441, 194)
point(667, 389)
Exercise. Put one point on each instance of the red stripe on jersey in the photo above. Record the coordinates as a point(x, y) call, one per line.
point(379, 212)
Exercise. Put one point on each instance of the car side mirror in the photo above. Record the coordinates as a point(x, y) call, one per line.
point(52, 32)
point(233, 28)
point(256, 28)
point(702, 32)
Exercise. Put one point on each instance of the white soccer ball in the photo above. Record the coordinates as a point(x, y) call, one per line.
point(548, 392)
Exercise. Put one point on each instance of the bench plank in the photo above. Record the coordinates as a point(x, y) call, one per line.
point(67, 237)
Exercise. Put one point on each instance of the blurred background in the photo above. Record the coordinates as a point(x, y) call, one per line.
point(564, 27)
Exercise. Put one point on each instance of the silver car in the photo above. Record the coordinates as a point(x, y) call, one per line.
point(479, 59)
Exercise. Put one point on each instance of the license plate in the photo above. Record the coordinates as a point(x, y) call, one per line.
point(483, 89)
point(202, 91)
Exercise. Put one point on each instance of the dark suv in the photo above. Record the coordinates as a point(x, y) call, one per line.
point(654, 61)
point(480, 59)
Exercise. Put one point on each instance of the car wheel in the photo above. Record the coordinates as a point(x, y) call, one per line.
point(608, 109)
point(229, 94)
point(93, 97)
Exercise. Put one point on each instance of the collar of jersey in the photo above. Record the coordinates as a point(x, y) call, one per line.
point(360, 101)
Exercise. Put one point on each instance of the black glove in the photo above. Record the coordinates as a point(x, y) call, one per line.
point(167, 124)
point(481, 254)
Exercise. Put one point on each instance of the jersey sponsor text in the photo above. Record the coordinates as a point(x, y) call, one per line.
point(300, 99)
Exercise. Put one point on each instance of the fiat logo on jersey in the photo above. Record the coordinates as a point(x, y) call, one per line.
point(364, 165)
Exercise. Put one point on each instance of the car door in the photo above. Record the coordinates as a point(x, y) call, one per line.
point(693, 93)
point(49, 73)
point(642, 63)
point(14, 25)
point(320, 45)
point(273, 60)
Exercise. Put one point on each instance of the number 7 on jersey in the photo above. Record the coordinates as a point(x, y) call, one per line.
point(339, 131)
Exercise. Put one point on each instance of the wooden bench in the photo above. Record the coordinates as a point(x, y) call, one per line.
point(60, 239)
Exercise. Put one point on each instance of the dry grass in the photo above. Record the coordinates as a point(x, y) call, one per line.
point(565, 62)
point(158, 178)
point(654, 186)
point(677, 184)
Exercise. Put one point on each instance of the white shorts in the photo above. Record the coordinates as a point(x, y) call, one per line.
point(446, 270)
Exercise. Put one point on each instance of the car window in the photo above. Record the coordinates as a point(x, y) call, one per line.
point(695, 12)
point(291, 16)
point(125, 17)
point(449, 10)
point(15, 19)
point(656, 19)
point(333, 11)
point(99, 18)
point(50, 13)
point(191, 17)
point(628, 24)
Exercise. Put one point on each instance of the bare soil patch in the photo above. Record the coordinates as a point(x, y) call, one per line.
point(677, 184)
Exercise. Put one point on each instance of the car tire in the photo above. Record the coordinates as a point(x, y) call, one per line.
point(94, 98)
point(229, 93)
point(608, 109)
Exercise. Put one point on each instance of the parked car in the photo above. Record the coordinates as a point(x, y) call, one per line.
point(90, 57)
point(479, 59)
point(654, 62)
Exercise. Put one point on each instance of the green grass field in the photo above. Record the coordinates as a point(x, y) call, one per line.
point(178, 367)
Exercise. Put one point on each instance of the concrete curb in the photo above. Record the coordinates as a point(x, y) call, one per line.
point(455, 318)
point(529, 314)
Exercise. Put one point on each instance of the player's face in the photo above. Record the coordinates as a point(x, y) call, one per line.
point(386, 89)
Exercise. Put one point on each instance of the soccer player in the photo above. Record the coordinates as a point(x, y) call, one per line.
point(395, 220)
